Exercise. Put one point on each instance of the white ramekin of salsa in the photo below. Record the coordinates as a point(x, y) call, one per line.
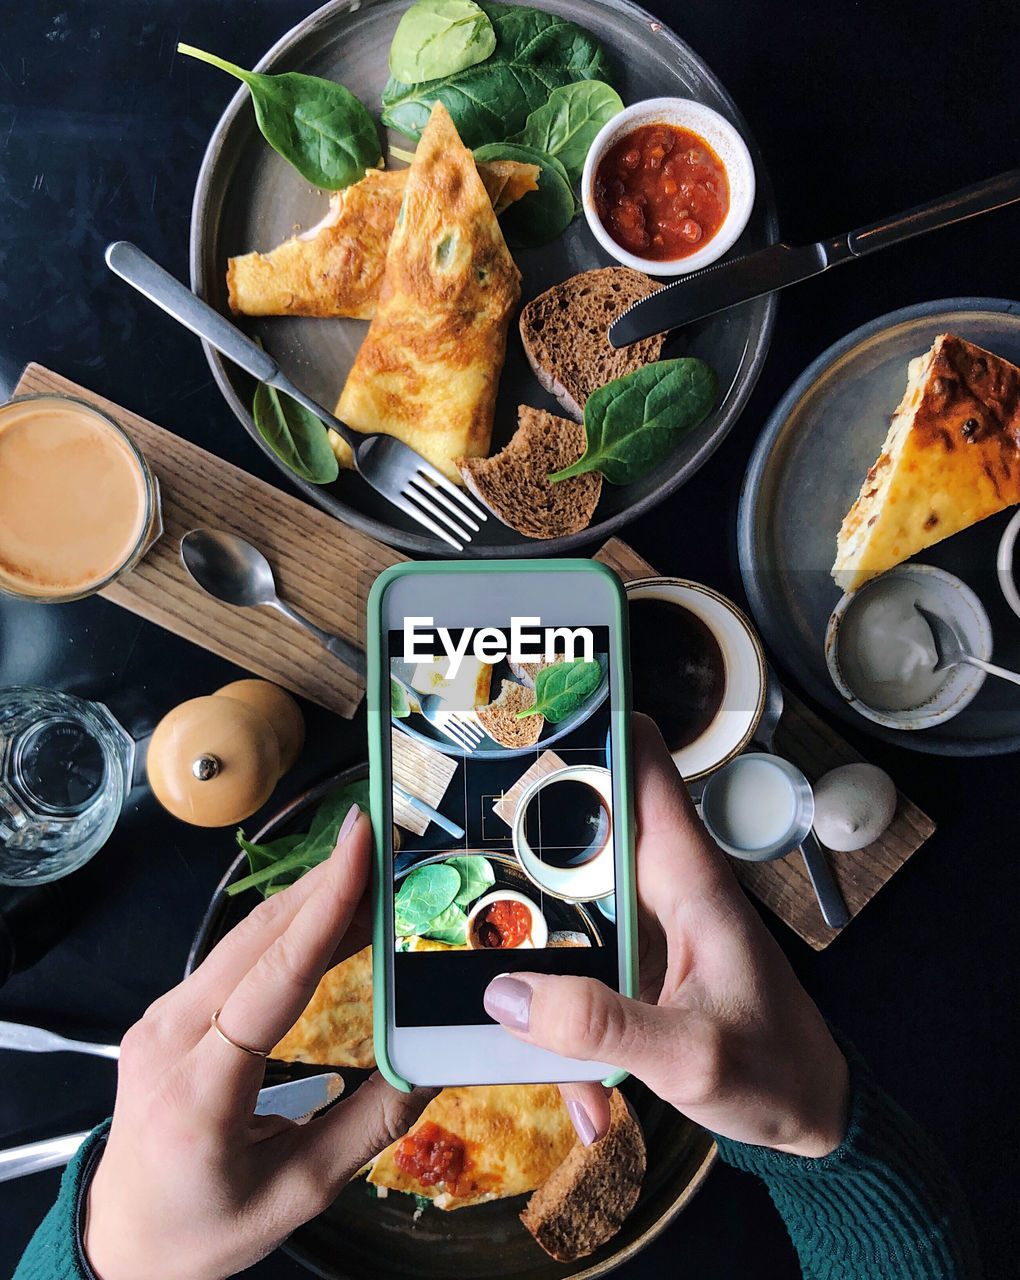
point(668, 186)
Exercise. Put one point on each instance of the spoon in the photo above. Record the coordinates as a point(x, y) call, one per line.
point(830, 899)
point(950, 651)
point(237, 573)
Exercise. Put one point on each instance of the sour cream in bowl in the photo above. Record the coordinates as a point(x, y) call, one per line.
point(881, 654)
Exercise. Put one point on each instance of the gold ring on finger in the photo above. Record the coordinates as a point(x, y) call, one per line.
point(214, 1022)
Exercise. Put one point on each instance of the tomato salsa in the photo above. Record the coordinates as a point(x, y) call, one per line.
point(661, 192)
point(503, 924)
point(433, 1155)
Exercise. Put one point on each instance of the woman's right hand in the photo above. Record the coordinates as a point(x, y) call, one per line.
point(724, 1031)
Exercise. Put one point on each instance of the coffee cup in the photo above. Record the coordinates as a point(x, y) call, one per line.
point(79, 505)
point(563, 833)
point(699, 671)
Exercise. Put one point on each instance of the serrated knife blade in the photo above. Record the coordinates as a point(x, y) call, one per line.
point(726, 284)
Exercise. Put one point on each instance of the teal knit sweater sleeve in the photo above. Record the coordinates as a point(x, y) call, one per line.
point(882, 1206)
point(55, 1252)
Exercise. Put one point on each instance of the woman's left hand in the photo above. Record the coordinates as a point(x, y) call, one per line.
point(193, 1185)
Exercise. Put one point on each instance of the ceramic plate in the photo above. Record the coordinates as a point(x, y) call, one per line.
point(416, 726)
point(363, 1238)
point(249, 198)
point(806, 471)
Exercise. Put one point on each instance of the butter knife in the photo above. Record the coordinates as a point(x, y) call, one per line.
point(727, 284)
point(297, 1100)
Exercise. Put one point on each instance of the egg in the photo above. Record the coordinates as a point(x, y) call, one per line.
point(854, 804)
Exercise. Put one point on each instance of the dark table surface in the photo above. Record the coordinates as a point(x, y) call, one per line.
point(860, 109)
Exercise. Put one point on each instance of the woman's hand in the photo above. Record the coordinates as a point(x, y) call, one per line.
point(728, 1035)
point(192, 1184)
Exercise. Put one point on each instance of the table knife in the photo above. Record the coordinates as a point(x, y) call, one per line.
point(298, 1100)
point(427, 811)
point(727, 284)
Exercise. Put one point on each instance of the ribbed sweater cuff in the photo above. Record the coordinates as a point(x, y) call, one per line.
point(882, 1206)
point(55, 1252)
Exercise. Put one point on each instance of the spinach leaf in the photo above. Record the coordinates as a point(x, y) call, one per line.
point(565, 126)
point(562, 688)
point(535, 52)
point(438, 38)
point(476, 876)
point(297, 437)
point(400, 705)
point(449, 926)
point(539, 216)
point(426, 893)
point(317, 125)
point(333, 808)
point(634, 422)
point(278, 863)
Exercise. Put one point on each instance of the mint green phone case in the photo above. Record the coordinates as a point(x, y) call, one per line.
point(378, 701)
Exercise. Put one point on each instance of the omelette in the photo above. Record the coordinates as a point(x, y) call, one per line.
point(428, 369)
point(475, 1144)
point(951, 458)
point(336, 267)
point(335, 1029)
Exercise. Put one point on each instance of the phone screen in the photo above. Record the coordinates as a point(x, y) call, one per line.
point(503, 803)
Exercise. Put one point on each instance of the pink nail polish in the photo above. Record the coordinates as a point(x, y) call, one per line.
point(508, 1000)
point(353, 814)
point(582, 1123)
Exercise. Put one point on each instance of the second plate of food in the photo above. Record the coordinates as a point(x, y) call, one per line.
point(364, 1237)
point(248, 198)
point(805, 473)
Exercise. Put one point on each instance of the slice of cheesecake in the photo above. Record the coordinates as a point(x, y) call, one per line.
point(951, 458)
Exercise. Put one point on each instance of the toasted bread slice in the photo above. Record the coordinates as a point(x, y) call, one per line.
point(564, 334)
point(514, 484)
point(585, 1201)
point(499, 718)
point(951, 458)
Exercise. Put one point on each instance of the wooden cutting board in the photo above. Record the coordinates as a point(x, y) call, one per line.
point(815, 748)
point(421, 771)
point(322, 567)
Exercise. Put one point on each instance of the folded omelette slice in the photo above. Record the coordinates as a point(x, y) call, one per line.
point(428, 369)
point(336, 267)
point(335, 1030)
point(481, 1143)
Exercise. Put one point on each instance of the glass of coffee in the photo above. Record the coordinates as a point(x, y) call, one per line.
point(563, 833)
point(78, 503)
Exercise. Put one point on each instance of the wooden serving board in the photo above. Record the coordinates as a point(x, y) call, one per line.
point(322, 567)
point(421, 771)
point(815, 748)
point(504, 807)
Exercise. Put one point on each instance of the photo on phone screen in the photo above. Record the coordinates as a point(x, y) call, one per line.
point(503, 770)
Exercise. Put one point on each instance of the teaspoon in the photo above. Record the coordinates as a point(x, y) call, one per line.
point(237, 573)
point(950, 652)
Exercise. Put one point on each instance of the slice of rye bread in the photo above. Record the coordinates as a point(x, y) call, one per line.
point(564, 334)
point(514, 483)
point(585, 1200)
point(499, 718)
point(526, 672)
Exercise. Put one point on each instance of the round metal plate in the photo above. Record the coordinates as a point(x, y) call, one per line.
point(360, 1237)
point(248, 198)
point(806, 471)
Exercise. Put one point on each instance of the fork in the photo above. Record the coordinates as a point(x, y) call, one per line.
point(459, 728)
point(391, 467)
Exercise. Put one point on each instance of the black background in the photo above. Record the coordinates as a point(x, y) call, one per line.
point(860, 109)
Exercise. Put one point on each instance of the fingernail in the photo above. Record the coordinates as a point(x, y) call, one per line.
point(508, 1000)
point(353, 813)
point(582, 1122)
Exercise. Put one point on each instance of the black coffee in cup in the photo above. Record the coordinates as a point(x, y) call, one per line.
point(567, 823)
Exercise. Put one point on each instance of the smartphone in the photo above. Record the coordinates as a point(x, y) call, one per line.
point(499, 747)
